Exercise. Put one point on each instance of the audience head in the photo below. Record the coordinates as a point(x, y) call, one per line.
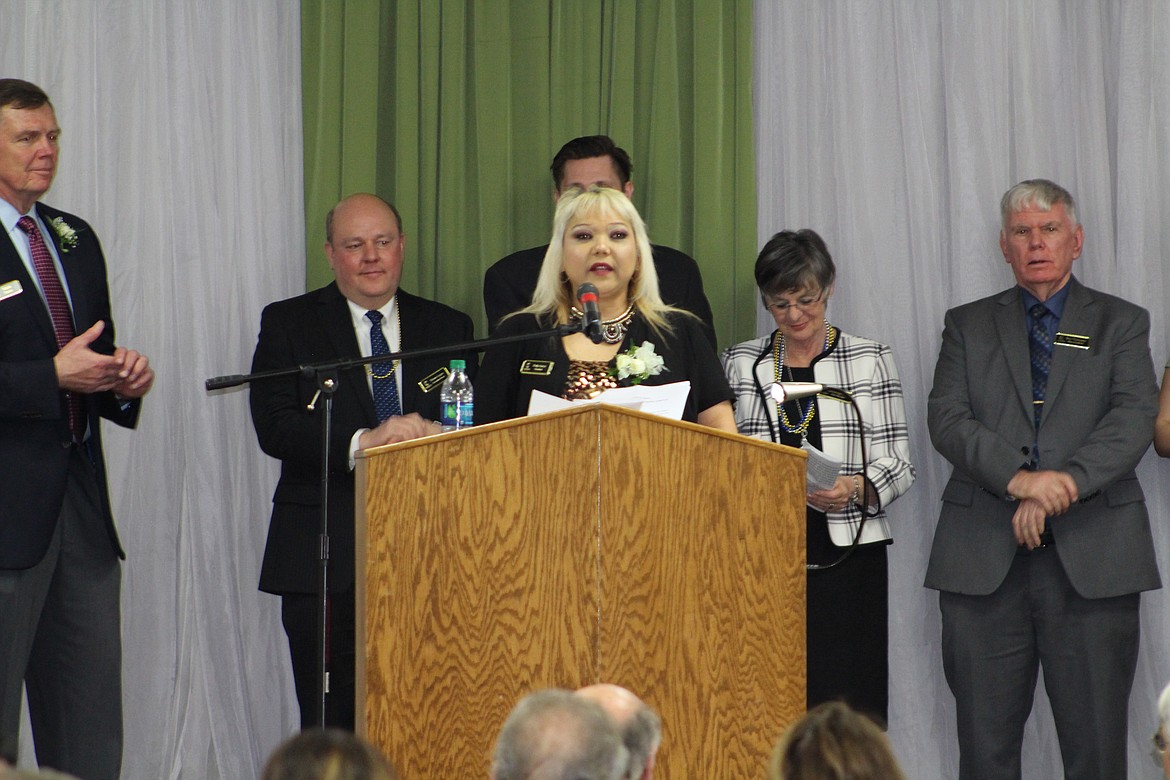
point(556, 287)
point(639, 726)
point(327, 754)
point(364, 243)
point(832, 742)
point(555, 735)
point(29, 137)
point(1162, 735)
point(592, 160)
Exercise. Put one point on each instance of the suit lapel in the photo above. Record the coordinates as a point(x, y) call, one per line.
point(1013, 339)
point(337, 326)
point(12, 268)
point(1078, 317)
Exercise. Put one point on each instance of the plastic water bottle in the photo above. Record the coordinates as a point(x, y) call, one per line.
point(456, 399)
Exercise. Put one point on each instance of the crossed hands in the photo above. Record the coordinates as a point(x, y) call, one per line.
point(80, 369)
point(1042, 494)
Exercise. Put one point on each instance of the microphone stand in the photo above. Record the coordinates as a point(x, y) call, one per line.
point(327, 377)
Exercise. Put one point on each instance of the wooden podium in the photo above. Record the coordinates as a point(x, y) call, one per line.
point(589, 545)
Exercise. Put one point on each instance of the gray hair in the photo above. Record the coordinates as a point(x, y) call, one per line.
point(641, 735)
point(1041, 193)
point(554, 735)
point(794, 260)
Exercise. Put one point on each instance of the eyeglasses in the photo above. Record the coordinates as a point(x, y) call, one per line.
point(806, 303)
point(1159, 749)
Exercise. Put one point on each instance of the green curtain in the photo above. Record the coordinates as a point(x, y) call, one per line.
point(453, 110)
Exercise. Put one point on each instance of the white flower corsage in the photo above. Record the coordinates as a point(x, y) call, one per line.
point(64, 232)
point(637, 364)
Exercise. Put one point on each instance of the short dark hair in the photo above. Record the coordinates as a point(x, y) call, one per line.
point(588, 146)
point(791, 260)
point(22, 94)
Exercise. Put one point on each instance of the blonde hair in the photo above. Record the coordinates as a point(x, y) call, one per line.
point(832, 742)
point(554, 294)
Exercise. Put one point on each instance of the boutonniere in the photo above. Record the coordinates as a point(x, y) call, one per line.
point(637, 364)
point(65, 233)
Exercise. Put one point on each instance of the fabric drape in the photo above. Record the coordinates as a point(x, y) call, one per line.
point(181, 146)
point(453, 110)
point(893, 129)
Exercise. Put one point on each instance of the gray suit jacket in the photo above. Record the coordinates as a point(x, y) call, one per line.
point(1097, 423)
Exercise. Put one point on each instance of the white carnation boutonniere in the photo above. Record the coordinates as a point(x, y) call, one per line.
point(637, 364)
point(65, 233)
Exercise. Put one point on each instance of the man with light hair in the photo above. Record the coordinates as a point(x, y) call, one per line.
point(555, 735)
point(639, 726)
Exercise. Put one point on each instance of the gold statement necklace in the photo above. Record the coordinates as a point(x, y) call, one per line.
point(613, 331)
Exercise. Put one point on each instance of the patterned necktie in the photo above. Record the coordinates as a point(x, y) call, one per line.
point(1040, 347)
point(386, 402)
point(59, 312)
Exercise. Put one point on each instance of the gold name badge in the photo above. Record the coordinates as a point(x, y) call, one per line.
point(9, 289)
point(433, 380)
point(536, 367)
point(1071, 340)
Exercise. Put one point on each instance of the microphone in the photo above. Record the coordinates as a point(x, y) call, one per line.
point(591, 324)
point(790, 391)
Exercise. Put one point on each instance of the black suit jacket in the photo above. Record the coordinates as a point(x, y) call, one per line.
point(508, 285)
point(34, 434)
point(315, 328)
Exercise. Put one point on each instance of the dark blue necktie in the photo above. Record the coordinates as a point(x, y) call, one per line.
point(1040, 347)
point(386, 402)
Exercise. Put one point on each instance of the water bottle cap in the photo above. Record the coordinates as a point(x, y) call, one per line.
point(458, 365)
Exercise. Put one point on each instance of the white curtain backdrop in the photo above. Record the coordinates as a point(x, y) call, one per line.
point(892, 128)
point(181, 145)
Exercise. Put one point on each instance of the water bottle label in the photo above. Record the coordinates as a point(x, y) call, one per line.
point(454, 416)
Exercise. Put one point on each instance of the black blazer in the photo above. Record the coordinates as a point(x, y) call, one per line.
point(314, 328)
point(34, 434)
point(508, 285)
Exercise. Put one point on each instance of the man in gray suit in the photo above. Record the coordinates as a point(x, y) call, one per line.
point(1043, 543)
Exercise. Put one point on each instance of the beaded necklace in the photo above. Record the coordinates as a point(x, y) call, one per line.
point(810, 408)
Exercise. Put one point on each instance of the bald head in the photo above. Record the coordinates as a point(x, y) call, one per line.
point(555, 735)
point(640, 726)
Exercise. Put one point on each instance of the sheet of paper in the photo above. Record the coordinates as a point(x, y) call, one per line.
point(663, 400)
point(822, 469)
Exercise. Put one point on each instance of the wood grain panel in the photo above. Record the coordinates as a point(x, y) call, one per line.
point(705, 617)
point(481, 586)
point(584, 546)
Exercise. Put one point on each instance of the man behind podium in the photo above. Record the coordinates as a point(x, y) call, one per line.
point(584, 162)
point(365, 246)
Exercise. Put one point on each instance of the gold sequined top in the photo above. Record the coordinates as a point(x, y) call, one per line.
point(587, 379)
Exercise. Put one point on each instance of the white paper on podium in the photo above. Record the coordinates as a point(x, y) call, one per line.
point(662, 400)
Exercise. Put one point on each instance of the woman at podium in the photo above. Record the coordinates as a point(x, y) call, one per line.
point(599, 239)
point(847, 610)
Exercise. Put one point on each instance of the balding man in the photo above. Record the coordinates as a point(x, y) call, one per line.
point(639, 726)
point(363, 312)
point(556, 735)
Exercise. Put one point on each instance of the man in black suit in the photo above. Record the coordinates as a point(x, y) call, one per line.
point(593, 160)
point(60, 372)
point(365, 246)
